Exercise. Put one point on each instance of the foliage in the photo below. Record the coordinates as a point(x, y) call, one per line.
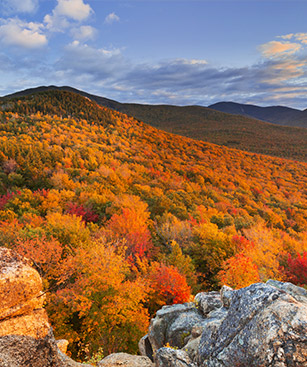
point(120, 218)
point(296, 269)
point(99, 307)
point(168, 286)
point(239, 271)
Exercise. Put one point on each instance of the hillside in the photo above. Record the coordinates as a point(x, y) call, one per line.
point(208, 125)
point(120, 218)
point(275, 114)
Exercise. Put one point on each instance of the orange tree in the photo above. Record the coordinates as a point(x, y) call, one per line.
point(99, 306)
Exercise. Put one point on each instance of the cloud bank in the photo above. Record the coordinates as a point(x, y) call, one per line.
point(279, 76)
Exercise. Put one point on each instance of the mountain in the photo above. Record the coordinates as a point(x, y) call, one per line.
point(120, 218)
point(275, 114)
point(208, 125)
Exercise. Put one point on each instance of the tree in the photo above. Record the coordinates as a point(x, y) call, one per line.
point(99, 307)
point(131, 226)
point(167, 285)
point(239, 271)
point(210, 248)
point(296, 269)
point(183, 263)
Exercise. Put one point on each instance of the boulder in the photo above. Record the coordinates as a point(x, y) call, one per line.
point(26, 338)
point(125, 360)
point(264, 326)
point(173, 324)
point(258, 326)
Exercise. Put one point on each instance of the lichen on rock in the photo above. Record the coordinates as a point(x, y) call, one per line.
point(257, 326)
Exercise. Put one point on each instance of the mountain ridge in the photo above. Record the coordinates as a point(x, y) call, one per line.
point(280, 115)
point(276, 114)
point(205, 124)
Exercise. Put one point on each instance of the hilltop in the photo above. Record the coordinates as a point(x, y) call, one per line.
point(120, 218)
point(206, 124)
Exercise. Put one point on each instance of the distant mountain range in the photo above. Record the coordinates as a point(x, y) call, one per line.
point(275, 114)
point(224, 123)
point(279, 115)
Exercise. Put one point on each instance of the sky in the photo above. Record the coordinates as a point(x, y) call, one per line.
point(182, 52)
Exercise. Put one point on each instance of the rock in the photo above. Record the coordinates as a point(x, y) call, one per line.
point(173, 324)
point(168, 357)
point(125, 360)
point(207, 302)
point(226, 295)
point(26, 338)
point(264, 326)
point(145, 347)
point(258, 326)
point(299, 293)
point(62, 344)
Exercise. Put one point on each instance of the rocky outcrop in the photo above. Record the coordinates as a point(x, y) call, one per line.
point(26, 338)
point(125, 360)
point(258, 326)
point(168, 357)
point(173, 325)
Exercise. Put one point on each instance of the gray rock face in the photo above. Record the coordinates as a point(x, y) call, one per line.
point(299, 293)
point(207, 302)
point(263, 325)
point(145, 347)
point(173, 324)
point(168, 357)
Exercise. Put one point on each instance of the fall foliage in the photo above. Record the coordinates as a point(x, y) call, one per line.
point(120, 218)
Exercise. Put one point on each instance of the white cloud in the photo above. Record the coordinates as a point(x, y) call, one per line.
point(193, 61)
point(97, 64)
point(15, 32)
point(111, 18)
point(83, 33)
point(276, 49)
point(20, 6)
point(76, 10)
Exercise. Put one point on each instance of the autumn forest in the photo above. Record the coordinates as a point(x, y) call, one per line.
point(121, 218)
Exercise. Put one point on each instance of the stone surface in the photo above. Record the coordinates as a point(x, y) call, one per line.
point(168, 357)
point(26, 338)
point(264, 326)
point(145, 347)
point(125, 360)
point(207, 302)
point(299, 293)
point(173, 324)
point(20, 285)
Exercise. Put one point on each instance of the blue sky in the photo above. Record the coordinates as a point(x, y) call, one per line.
point(159, 51)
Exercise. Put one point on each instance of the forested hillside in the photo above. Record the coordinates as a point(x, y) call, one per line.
point(120, 218)
point(206, 124)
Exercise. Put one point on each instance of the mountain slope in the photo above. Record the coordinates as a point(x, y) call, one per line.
point(275, 114)
point(205, 124)
point(113, 211)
